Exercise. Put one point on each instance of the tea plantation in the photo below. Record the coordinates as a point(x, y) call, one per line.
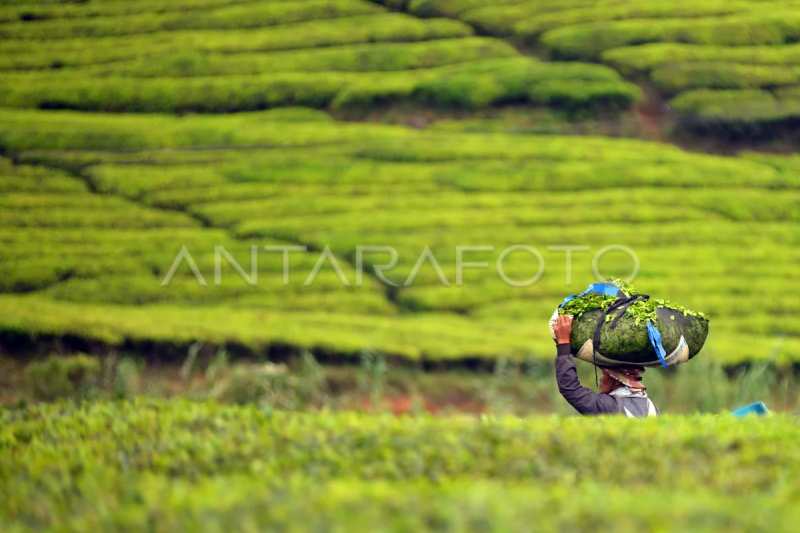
point(734, 66)
point(97, 208)
point(231, 176)
point(223, 56)
point(181, 466)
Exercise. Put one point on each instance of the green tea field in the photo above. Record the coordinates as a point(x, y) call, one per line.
point(289, 265)
point(193, 464)
point(182, 466)
point(727, 68)
point(96, 209)
point(224, 56)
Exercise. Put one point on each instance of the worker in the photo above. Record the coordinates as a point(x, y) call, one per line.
point(621, 389)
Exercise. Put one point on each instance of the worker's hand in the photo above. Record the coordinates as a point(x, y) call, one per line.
point(563, 329)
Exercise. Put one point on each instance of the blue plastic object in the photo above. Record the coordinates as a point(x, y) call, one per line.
point(602, 288)
point(655, 340)
point(757, 409)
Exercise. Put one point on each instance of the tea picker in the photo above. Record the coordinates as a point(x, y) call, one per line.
point(621, 332)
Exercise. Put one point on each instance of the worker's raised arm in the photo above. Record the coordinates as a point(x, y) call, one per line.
point(585, 401)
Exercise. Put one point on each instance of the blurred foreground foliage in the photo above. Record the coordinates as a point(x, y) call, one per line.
point(175, 466)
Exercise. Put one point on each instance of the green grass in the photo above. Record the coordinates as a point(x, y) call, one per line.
point(150, 465)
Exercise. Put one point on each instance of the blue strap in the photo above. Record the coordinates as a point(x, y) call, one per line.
point(601, 288)
point(655, 340)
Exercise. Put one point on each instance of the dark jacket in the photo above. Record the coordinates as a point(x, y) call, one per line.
point(588, 402)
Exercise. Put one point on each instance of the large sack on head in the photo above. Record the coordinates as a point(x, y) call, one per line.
point(669, 338)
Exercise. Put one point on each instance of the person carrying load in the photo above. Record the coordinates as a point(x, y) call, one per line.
point(621, 331)
point(621, 389)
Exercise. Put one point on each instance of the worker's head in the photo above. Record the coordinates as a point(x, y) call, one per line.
point(616, 377)
point(608, 384)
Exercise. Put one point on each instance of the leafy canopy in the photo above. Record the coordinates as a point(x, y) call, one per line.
point(641, 311)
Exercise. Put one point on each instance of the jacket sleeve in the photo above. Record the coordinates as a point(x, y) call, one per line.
point(585, 401)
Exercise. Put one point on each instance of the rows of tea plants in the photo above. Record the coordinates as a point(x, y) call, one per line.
point(246, 15)
point(574, 88)
point(714, 234)
point(218, 57)
point(18, 10)
point(680, 47)
point(335, 33)
point(158, 466)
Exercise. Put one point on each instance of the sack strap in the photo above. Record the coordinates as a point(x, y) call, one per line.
point(655, 340)
point(621, 306)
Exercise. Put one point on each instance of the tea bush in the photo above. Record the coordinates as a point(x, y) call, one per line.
point(450, 8)
point(181, 438)
point(179, 466)
point(674, 78)
point(530, 28)
point(247, 15)
point(60, 377)
point(738, 114)
point(630, 60)
point(589, 41)
point(371, 57)
point(237, 502)
point(705, 101)
point(500, 19)
point(471, 84)
point(13, 10)
point(23, 54)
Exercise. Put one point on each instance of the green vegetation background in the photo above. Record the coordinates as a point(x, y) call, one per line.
point(131, 129)
point(97, 203)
